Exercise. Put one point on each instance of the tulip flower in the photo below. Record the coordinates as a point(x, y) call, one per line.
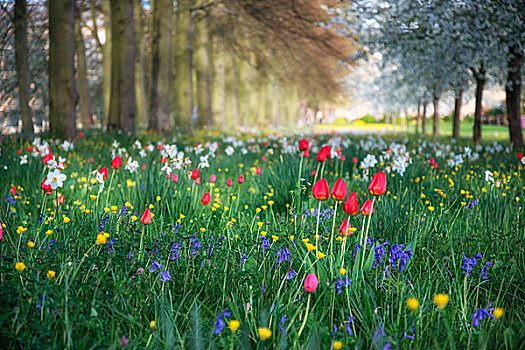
point(81, 135)
point(310, 283)
point(174, 178)
point(91, 159)
point(13, 190)
point(327, 150)
point(46, 188)
point(367, 209)
point(432, 161)
point(321, 156)
point(304, 145)
point(241, 179)
point(520, 155)
point(198, 181)
point(195, 174)
point(339, 191)
point(47, 158)
point(213, 178)
point(258, 171)
point(354, 160)
point(206, 198)
point(320, 190)
point(351, 207)
point(378, 184)
point(306, 154)
point(229, 183)
point(145, 219)
point(435, 165)
point(116, 163)
point(343, 158)
point(104, 172)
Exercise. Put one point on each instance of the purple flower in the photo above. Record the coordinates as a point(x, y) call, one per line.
point(283, 255)
point(291, 274)
point(479, 316)
point(165, 276)
point(468, 264)
point(348, 325)
point(344, 282)
point(155, 266)
point(219, 322)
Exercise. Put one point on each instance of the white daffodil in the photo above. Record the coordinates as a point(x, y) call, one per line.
point(55, 179)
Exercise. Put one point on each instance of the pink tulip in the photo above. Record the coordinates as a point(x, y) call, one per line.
point(310, 283)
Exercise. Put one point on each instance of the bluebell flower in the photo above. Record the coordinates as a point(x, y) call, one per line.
point(283, 255)
point(219, 322)
point(281, 324)
point(348, 325)
point(265, 244)
point(341, 283)
point(165, 276)
point(484, 269)
point(468, 264)
point(291, 274)
point(155, 266)
point(479, 316)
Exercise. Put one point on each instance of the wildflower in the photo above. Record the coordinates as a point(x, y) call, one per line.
point(468, 264)
point(30, 244)
point(234, 325)
point(46, 187)
point(195, 174)
point(240, 179)
point(342, 282)
point(498, 313)
point(55, 179)
point(441, 300)
point(310, 283)
point(20, 266)
point(165, 276)
point(219, 322)
point(339, 191)
point(479, 316)
point(351, 207)
point(229, 183)
point(145, 219)
point(412, 304)
point(320, 190)
point(101, 239)
point(264, 333)
point(342, 271)
point(378, 184)
point(66, 220)
point(50, 274)
point(152, 324)
point(116, 163)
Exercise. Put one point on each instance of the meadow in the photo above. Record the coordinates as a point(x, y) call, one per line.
point(237, 242)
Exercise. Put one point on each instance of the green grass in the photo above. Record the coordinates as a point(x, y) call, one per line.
point(236, 253)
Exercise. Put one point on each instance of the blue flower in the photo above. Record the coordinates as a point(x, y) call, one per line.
point(219, 322)
point(165, 276)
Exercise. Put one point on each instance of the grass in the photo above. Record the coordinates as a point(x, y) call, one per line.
point(245, 256)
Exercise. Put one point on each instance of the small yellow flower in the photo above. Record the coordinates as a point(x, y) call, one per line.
point(20, 266)
point(106, 210)
point(291, 237)
point(234, 325)
point(275, 238)
point(412, 303)
point(101, 239)
point(337, 345)
point(431, 208)
point(320, 255)
point(203, 229)
point(151, 206)
point(498, 313)
point(66, 220)
point(441, 300)
point(48, 232)
point(157, 198)
point(30, 244)
point(271, 202)
point(114, 208)
point(343, 271)
point(152, 324)
point(310, 247)
point(263, 233)
point(50, 274)
point(264, 333)
point(93, 197)
point(133, 218)
point(127, 204)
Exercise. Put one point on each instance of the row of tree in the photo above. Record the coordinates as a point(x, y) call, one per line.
point(161, 64)
point(430, 48)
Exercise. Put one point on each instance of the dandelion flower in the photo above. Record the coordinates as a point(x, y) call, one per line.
point(498, 313)
point(20, 266)
point(412, 304)
point(50, 274)
point(264, 333)
point(234, 325)
point(441, 300)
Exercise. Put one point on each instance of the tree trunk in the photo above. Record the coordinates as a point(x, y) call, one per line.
point(140, 67)
point(457, 114)
point(435, 102)
point(62, 86)
point(86, 115)
point(190, 46)
point(161, 80)
point(418, 116)
point(424, 118)
point(122, 106)
point(106, 54)
point(182, 106)
point(480, 83)
point(235, 90)
point(203, 70)
point(513, 97)
point(22, 66)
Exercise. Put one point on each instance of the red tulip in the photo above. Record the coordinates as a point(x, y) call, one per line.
point(258, 171)
point(320, 190)
point(104, 172)
point(29, 148)
point(310, 283)
point(378, 184)
point(339, 191)
point(47, 158)
point(432, 161)
point(304, 145)
point(46, 188)
point(174, 178)
point(145, 219)
point(263, 158)
point(306, 154)
point(241, 179)
point(313, 172)
point(213, 178)
point(143, 167)
point(195, 174)
point(116, 163)
point(91, 160)
point(354, 160)
point(520, 155)
point(81, 135)
point(345, 228)
point(61, 199)
point(435, 165)
point(206, 198)
point(367, 209)
point(19, 151)
point(321, 156)
point(229, 183)
point(13, 190)
point(327, 150)
point(351, 207)
point(159, 146)
point(343, 158)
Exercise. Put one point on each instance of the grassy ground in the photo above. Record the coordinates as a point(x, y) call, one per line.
point(442, 266)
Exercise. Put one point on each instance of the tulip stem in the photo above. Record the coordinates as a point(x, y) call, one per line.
point(305, 316)
point(141, 239)
point(332, 241)
point(366, 232)
point(317, 225)
point(344, 242)
point(109, 188)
